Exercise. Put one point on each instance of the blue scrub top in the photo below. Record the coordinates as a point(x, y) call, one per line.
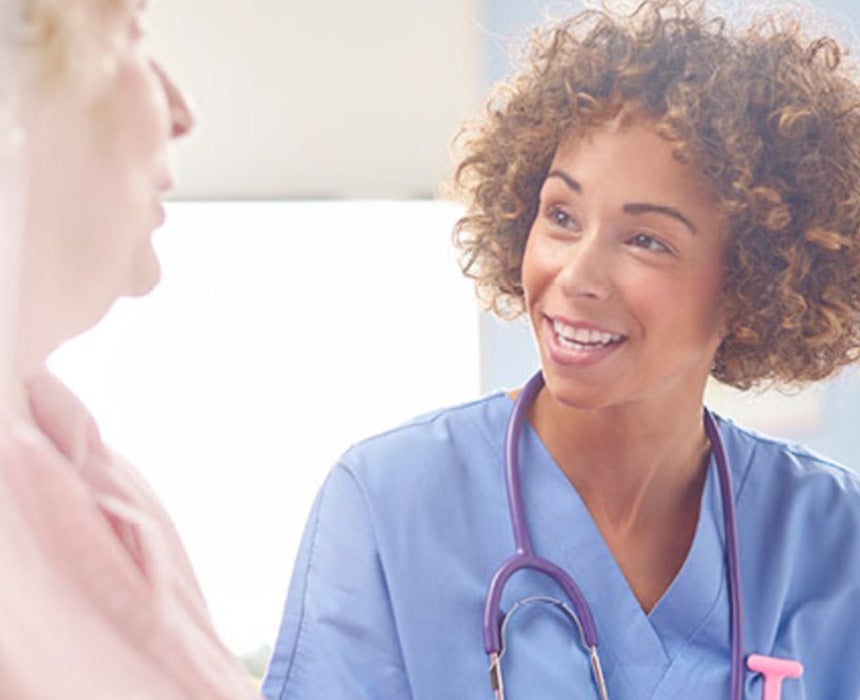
point(387, 596)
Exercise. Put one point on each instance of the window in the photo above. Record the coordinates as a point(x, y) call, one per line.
point(280, 333)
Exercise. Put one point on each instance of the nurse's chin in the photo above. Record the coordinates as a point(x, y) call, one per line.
point(579, 398)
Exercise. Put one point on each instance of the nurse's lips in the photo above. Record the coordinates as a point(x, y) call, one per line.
point(573, 342)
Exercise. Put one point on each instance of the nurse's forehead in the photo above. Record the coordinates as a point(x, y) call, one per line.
point(637, 149)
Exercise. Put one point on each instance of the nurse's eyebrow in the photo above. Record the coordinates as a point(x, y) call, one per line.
point(633, 207)
point(567, 179)
point(646, 208)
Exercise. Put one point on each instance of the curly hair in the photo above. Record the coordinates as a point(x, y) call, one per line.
point(770, 118)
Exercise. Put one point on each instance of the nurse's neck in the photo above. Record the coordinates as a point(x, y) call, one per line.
point(640, 472)
point(615, 457)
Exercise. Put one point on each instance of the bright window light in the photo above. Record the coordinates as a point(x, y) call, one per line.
point(280, 334)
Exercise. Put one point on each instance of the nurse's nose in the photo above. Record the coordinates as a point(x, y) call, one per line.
point(586, 271)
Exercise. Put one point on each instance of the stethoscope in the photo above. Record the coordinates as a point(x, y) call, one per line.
point(578, 611)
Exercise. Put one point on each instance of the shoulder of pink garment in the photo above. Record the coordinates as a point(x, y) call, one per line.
point(62, 417)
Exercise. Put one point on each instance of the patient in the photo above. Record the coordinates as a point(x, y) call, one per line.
point(98, 597)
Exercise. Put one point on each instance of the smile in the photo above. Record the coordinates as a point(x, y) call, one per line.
point(583, 339)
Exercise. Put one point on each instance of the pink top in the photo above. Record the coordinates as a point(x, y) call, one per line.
point(97, 596)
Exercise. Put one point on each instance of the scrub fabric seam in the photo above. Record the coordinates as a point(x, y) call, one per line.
point(364, 497)
point(797, 451)
point(740, 483)
point(496, 441)
point(428, 419)
point(689, 640)
point(736, 497)
point(301, 618)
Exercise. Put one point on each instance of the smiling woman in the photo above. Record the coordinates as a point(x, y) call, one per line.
point(611, 255)
point(99, 600)
point(667, 199)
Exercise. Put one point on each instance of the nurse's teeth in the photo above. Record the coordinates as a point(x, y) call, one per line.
point(583, 336)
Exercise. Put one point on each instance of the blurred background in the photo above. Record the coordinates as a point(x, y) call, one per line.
point(310, 296)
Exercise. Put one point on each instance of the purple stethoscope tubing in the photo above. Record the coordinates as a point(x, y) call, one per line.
point(730, 525)
point(524, 557)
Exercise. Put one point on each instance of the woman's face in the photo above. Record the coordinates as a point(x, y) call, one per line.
point(622, 272)
point(98, 168)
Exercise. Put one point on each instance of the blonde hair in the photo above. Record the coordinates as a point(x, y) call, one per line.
point(50, 40)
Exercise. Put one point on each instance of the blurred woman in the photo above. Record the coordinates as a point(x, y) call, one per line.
point(666, 200)
point(98, 597)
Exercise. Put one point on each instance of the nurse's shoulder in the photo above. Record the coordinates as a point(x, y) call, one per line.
point(806, 505)
point(441, 444)
point(798, 516)
point(785, 468)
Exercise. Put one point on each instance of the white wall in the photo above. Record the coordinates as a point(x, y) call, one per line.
point(300, 99)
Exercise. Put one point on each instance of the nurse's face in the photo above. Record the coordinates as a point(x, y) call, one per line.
point(99, 166)
point(622, 272)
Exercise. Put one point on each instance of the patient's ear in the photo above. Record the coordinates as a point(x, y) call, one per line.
point(13, 135)
point(12, 138)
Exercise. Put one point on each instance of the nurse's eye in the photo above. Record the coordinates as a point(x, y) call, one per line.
point(648, 242)
point(561, 219)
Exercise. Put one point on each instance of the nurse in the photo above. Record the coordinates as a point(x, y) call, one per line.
point(665, 200)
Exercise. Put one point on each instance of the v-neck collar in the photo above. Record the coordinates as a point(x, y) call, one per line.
point(637, 648)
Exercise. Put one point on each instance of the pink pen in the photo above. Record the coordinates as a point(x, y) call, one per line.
point(773, 670)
